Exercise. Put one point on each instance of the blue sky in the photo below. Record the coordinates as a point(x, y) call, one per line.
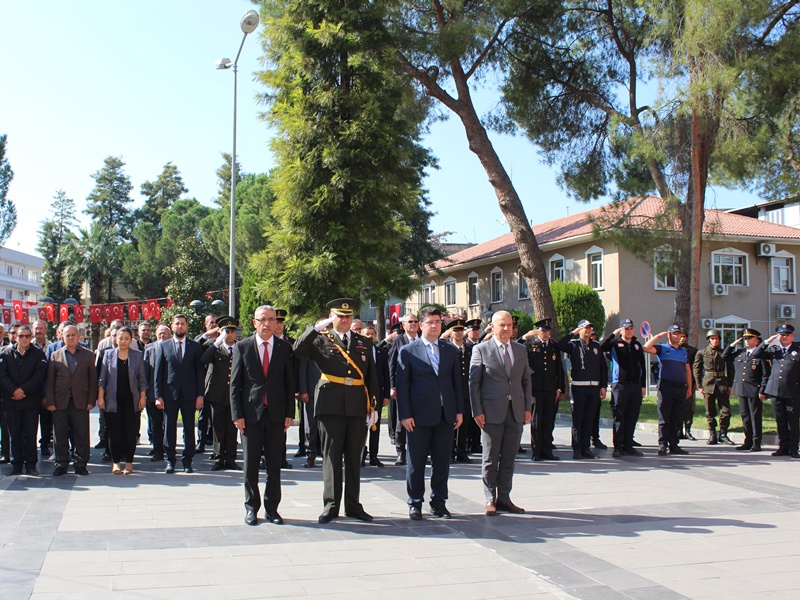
point(85, 80)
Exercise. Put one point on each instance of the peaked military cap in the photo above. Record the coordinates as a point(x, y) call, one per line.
point(227, 323)
point(543, 324)
point(343, 307)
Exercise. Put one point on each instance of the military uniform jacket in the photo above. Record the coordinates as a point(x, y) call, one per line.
point(337, 398)
point(750, 375)
point(547, 367)
point(784, 379)
point(711, 371)
point(218, 373)
point(464, 357)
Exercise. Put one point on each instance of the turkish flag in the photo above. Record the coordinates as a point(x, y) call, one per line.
point(155, 309)
point(17, 309)
point(117, 312)
point(7, 312)
point(394, 314)
point(25, 319)
point(107, 313)
point(146, 311)
point(133, 311)
point(78, 310)
point(95, 313)
point(50, 312)
point(63, 312)
point(42, 313)
point(29, 304)
point(2, 301)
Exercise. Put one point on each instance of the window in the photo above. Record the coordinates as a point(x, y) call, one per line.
point(783, 273)
point(472, 289)
point(20, 295)
point(556, 268)
point(523, 293)
point(774, 216)
point(594, 263)
point(731, 328)
point(9, 270)
point(33, 276)
point(665, 270)
point(496, 279)
point(9, 295)
point(21, 272)
point(450, 292)
point(729, 266)
point(428, 293)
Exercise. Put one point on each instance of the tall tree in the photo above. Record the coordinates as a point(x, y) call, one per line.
point(108, 201)
point(92, 257)
point(350, 167)
point(160, 195)
point(8, 211)
point(444, 46)
point(224, 179)
point(54, 236)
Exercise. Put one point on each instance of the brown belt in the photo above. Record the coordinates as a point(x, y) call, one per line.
point(716, 373)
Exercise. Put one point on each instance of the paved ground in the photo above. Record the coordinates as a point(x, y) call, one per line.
point(717, 523)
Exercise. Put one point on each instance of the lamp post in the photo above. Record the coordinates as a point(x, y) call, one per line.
point(248, 24)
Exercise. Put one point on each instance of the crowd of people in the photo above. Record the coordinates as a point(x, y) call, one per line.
point(451, 389)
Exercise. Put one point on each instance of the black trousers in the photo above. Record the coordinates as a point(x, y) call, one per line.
point(155, 427)
point(750, 410)
point(187, 410)
point(73, 421)
point(122, 428)
point(375, 437)
point(204, 426)
point(787, 415)
point(341, 437)
point(399, 434)
point(461, 439)
point(585, 405)
point(267, 438)
point(46, 427)
point(311, 427)
point(5, 438)
point(301, 439)
point(627, 405)
point(392, 418)
point(436, 441)
point(225, 432)
point(671, 400)
point(102, 431)
point(22, 426)
point(545, 409)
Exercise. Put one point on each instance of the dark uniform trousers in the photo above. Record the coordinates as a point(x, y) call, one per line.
point(225, 433)
point(545, 409)
point(341, 435)
point(267, 437)
point(671, 399)
point(787, 419)
point(750, 410)
point(375, 436)
point(585, 404)
point(627, 405)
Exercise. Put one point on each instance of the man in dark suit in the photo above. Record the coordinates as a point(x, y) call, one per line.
point(396, 431)
point(783, 387)
point(262, 408)
point(381, 356)
point(218, 355)
point(71, 392)
point(178, 382)
point(749, 382)
point(500, 394)
point(346, 393)
point(430, 404)
point(457, 336)
point(155, 416)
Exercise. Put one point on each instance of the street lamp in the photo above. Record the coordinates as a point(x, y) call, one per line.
point(248, 24)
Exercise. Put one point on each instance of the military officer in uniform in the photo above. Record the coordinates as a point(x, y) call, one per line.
point(457, 336)
point(783, 386)
point(548, 382)
point(347, 391)
point(473, 328)
point(217, 355)
point(711, 378)
point(750, 376)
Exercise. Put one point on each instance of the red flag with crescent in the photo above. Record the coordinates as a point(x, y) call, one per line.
point(17, 309)
point(95, 313)
point(42, 313)
point(155, 309)
point(2, 301)
point(133, 311)
point(117, 312)
point(78, 310)
point(394, 314)
point(26, 318)
point(63, 312)
point(50, 312)
point(7, 313)
point(146, 311)
point(107, 313)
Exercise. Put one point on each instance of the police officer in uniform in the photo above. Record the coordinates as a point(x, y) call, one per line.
point(217, 355)
point(346, 392)
point(711, 378)
point(750, 376)
point(548, 382)
point(457, 336)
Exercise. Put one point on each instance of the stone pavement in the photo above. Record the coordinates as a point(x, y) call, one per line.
point(717, 523)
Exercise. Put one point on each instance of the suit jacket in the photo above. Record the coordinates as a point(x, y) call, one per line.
point(81, 386)
point(394, 351)
point(25, 371)
point(382, 371)
point(336, 398)
point(176, 381)
point(421, 392)
point(150, 369)
point(218, 373)
point(491, 388)
point(248, 384)
point(750, 375)
point(109, 375)
point(784, 380)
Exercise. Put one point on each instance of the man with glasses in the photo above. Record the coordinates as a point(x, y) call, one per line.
point(783, 387)
point(346, 393)
point(430, 405)
point(396, 431)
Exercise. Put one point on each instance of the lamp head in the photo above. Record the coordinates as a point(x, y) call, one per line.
point(223, 63)
point(249, 22)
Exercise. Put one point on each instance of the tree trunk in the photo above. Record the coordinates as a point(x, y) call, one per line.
point(380, 319)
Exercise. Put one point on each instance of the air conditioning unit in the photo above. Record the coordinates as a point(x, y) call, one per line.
point(719, 289)
point(765, 249)
point(706, 323)
point(786, 311)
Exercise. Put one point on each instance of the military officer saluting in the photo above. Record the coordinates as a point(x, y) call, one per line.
point(456, 334)
point(711, 377)
point(346, 392)
point(750, 376)
point(548, 382)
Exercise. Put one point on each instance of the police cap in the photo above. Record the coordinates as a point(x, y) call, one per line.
point(675, 329)
point(626, 323)
point(785, 328)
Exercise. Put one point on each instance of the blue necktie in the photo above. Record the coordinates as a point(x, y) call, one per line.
point(434, 355)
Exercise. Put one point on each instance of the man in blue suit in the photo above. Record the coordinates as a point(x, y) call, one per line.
point(178, 382)
point(430, 406)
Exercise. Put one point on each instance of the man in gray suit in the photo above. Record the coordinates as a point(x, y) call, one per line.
point(500, 396)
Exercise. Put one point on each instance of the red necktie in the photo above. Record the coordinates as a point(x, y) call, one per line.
point(266, 369)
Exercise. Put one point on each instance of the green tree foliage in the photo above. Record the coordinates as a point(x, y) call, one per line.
point(8, 211)
point(108, 202)
point(224, 179)
point(350, 166)
point(250, 298)
point(574, 302)
point(54, 237)
point(92, 256)
point(160, 195)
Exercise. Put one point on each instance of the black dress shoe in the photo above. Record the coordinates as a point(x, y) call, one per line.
point(157, 457)
point(286, 464)
point(616, 453)
point(81, 471)
point(744, 447)
point(375, 462)
point(755, 448)
point(310, 462)
point(46, 451)
point(632, 452)
point(59, 471)
point(550, 456)
point(170, 468)
point(536, 458)
point(106, 458)
point(274, 517)
point(588, 454)
point(16, 470)
point(599, 445)
point(359, 514)
point(464, 458)
point(31, 470)
point(637, 444)
point(327, 516)
point(151, 452)
point(689, 437)
point(250, 517)
point(677, 450)
point(441, 511)
point(100, 445)
point(662, 451)
point(188, 468)
point(218, 466)
point(780, 452)
point(521, 450)
point(577, 455)
point(415, 512)
point(300, 452)
point(794, 454)
point(232, 465)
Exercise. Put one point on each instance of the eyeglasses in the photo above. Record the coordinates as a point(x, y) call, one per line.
point(267, 320)
point(24, 335)
point(410, 322)
point(432, 322)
